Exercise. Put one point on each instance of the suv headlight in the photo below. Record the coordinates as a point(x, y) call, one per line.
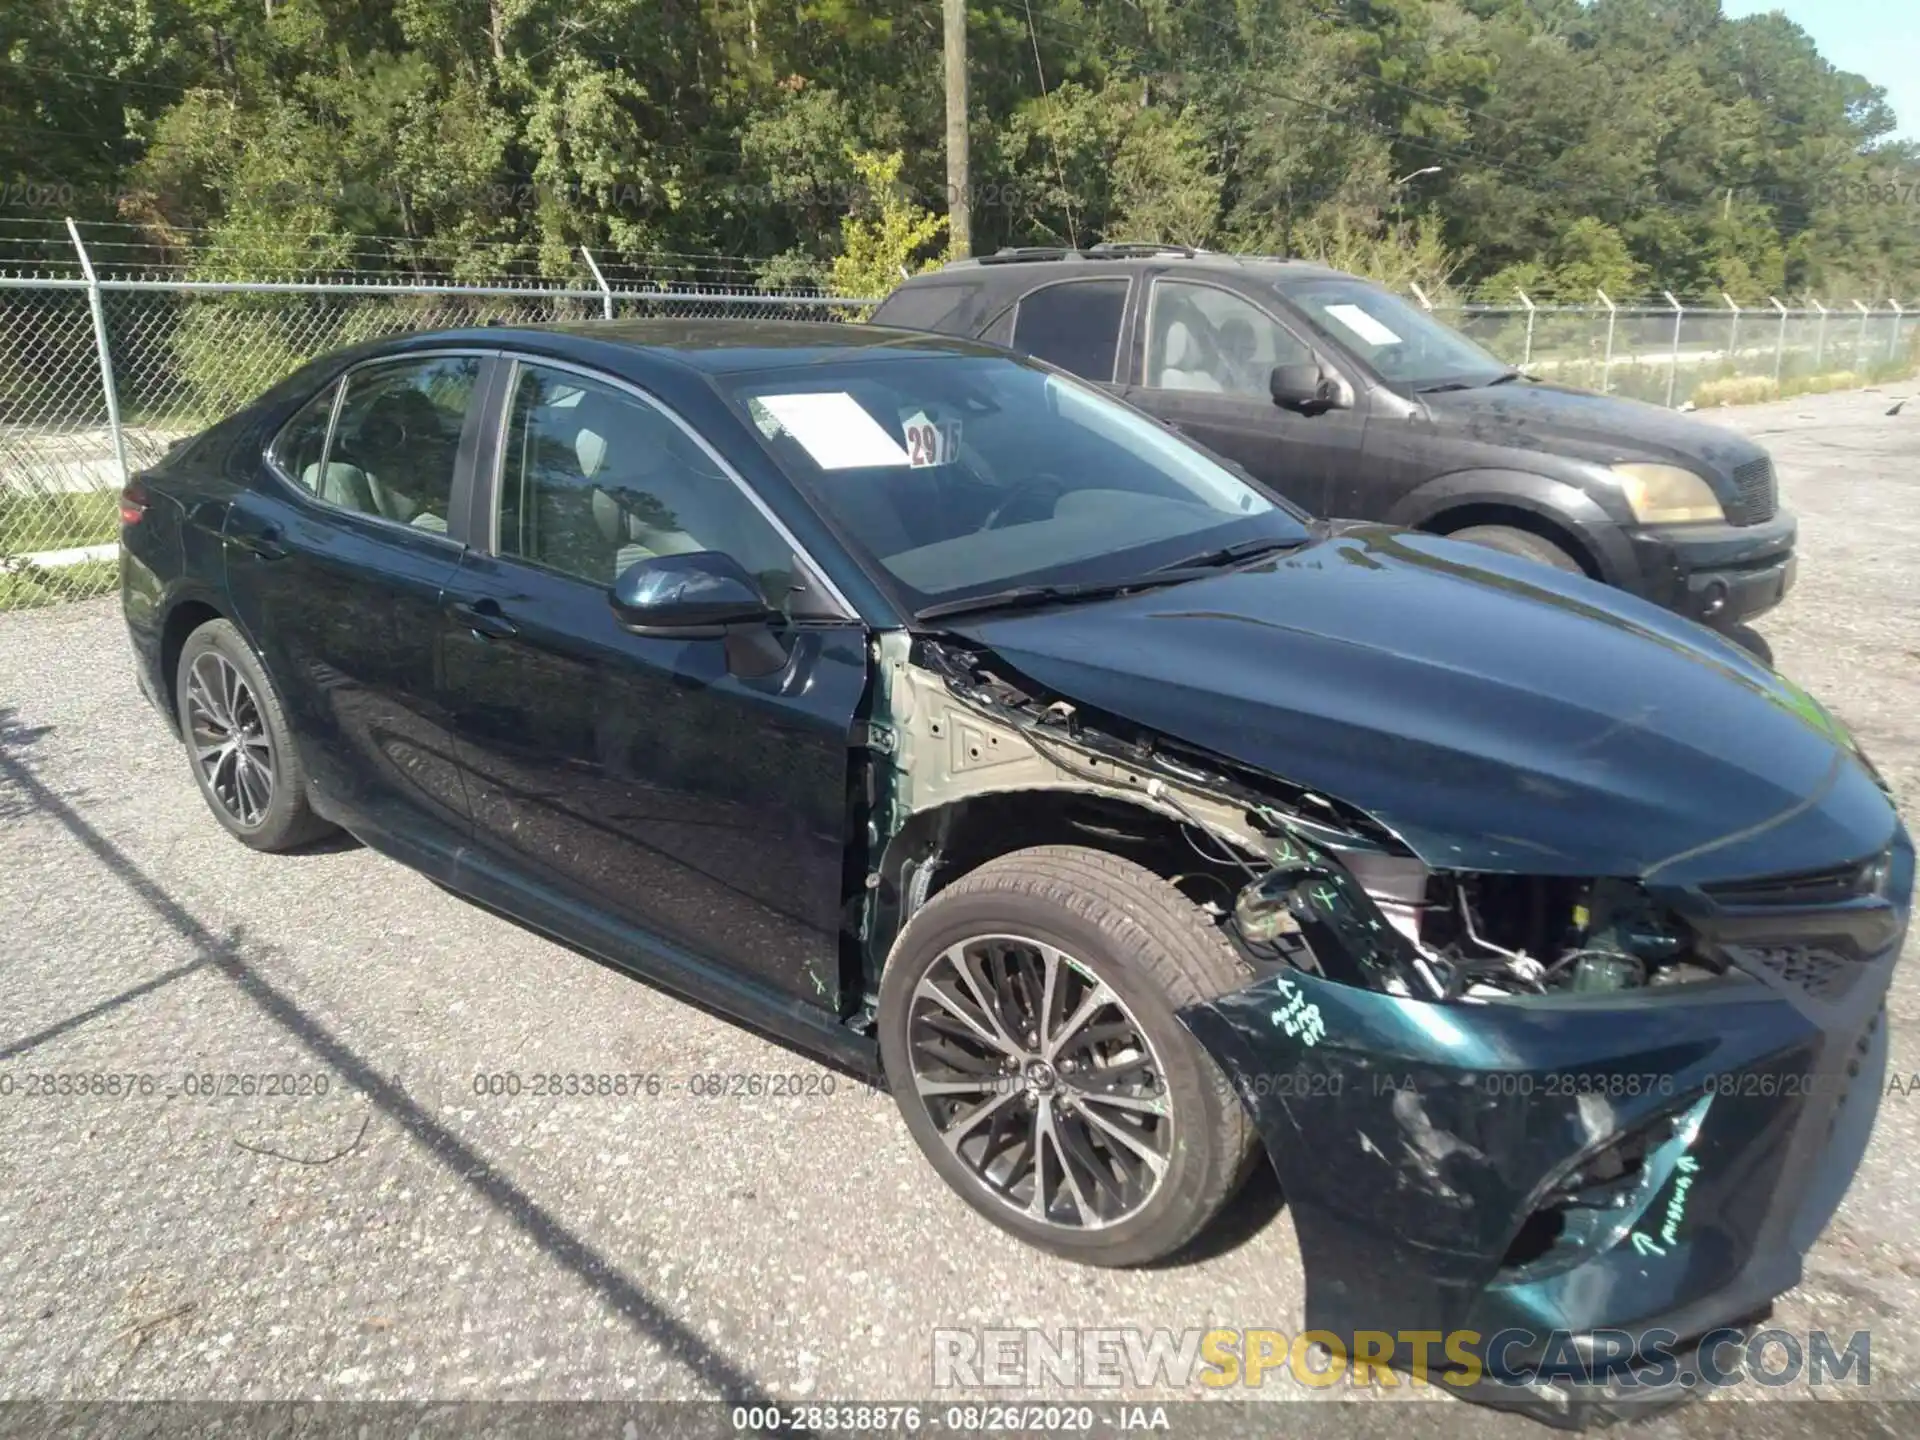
point(1667, 494)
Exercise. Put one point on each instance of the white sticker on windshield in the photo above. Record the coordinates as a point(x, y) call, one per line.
point(930, 442)
point(835, 430)
point(1363, 325)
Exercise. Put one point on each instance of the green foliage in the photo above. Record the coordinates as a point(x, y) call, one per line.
point(1399, 256)
point(885, 238)
point(1580, 144)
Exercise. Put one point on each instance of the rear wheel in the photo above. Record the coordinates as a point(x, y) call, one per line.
point(1525, 543)
point(1028, 1029)
point(239, 744)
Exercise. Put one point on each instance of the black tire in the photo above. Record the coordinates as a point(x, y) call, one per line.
point(285, 821)
point(1153, 949)
point(1524, 543)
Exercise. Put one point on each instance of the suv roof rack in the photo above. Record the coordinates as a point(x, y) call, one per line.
point(1012, 254)
point(1105, 250)
point(1124, 249)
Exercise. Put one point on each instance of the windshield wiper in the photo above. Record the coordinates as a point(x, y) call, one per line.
point(1228, 555)
point(1505, 377)
point(1023, 596)
point(1192, 568)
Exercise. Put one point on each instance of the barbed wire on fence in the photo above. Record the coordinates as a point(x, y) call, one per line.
point(114, 349)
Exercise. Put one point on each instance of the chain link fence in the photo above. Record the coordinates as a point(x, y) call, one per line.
point(1697, 356)
point(100, 373)
point(98, 376)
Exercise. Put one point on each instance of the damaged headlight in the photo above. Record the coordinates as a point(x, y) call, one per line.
point(1667, 494)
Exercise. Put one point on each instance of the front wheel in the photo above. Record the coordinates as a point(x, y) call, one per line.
point(239, 743)
point(1512, 541)
point(1028, 1030)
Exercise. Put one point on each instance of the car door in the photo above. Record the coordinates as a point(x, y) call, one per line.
point(1204, 367)
point(638, 776)
point(334, 565)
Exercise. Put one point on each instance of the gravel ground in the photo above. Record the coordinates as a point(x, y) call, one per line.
point(401, 1238)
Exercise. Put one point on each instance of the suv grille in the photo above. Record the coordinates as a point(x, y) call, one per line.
point(1758, 495)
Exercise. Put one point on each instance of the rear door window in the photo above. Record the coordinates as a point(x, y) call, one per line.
point(1075, 325)
point(397, 440)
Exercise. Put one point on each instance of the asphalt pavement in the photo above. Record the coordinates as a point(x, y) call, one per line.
point(304, 1191)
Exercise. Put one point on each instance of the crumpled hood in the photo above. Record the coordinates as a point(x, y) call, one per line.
point(1602, 428)
point(1495, 714)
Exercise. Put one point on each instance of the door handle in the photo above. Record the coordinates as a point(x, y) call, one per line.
point(483, 618)
point(264, 543)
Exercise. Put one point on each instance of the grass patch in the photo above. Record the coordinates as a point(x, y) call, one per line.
point(24, 587)
point(58, 521)
point(1752, 389)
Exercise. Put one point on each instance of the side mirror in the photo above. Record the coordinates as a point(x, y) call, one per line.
point(696, 596)
point(1306, 388)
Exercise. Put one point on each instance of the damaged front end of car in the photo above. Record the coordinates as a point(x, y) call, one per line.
point(1605, 1117)
point(1520, 1115)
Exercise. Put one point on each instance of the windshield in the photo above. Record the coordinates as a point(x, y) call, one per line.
point(962, 475)
point(1403, 343)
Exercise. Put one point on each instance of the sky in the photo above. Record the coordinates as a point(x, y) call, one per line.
point(1879, 39)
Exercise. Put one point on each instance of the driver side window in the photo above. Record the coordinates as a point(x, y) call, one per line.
point(1202, 338)
point(594, 480)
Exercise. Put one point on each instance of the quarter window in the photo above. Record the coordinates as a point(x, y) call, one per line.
point(300, 447)
point(594, 480)
point(397, 440)
point(1202, 338)
point(1075, 325)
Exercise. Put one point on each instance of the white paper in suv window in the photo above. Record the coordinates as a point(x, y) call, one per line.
point(834, 430)
point(1363, 325)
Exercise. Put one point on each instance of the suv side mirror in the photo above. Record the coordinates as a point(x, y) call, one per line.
point(696, 596)
point(1306, 388)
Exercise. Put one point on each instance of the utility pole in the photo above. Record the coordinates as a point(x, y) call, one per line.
point(959, 193)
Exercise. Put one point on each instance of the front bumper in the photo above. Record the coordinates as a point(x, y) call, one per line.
point(1420, 1145)
point(1718, 574)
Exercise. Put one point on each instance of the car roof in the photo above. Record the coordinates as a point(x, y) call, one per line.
point(721, 346)
point(1026, 264)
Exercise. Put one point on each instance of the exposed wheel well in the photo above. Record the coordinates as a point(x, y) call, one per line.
point(185, 618)
point(937, 847)
point(1461, 517)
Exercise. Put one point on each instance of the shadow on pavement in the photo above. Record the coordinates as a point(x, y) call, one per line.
point(30, 794)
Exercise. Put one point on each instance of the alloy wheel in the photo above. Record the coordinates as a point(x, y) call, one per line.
point(1040, 1081)
point(231, 747)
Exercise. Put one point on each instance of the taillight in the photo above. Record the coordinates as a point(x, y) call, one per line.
point(133, 504)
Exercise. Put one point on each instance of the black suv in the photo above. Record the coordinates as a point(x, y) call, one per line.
point(1353, 402)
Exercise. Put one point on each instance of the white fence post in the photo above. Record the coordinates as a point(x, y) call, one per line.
point(1780, 345)
point(1606, 367)
point(1893, 350)
point(1673, 367)
point(1820, 336)
point(1860, 345)
point(1526, 360)
point(606, 293)
point(106, 355)
point(1733, 336)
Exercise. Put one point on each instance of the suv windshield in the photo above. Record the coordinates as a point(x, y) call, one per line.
point(967, 474)
point(1406, 346)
